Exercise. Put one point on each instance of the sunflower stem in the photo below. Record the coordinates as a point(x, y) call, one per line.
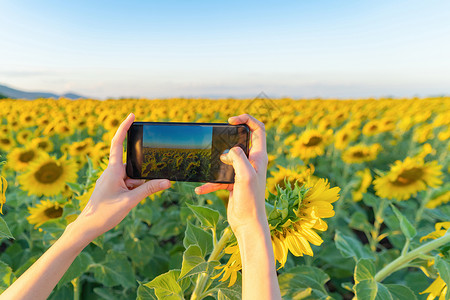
point(76, 288)
point(202, 278)
point(377, 223)
point(400, 261)
point(406, 247)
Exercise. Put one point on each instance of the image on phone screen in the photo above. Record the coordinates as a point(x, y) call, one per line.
point(183, 152)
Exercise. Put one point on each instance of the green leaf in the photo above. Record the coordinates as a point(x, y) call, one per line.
point(351, 247)
point(207, 216)
point(4, 230)
point(443, 267)
point(145, 293)
point(401, 292)
point(366, 289)
point(371, 200)
point(140, 251)
point(115, 270)
point(79, 266)
point(383, 293)
point(365, 269)
point(359, 221)
point(196, 236)
point(167, 287)
point(408, 230)
point(7, 276)
point(191, 258)
point(226, 292)
point(76, 187)
point(295, 281)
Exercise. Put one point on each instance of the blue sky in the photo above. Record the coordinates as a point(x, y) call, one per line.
point(331, 49)
point(181, 137)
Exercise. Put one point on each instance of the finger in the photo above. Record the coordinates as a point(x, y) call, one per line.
point(256, 127)
point(148, 188)
point(133, 183)
point(242, 167)
point(116, 152)
point(212, 187)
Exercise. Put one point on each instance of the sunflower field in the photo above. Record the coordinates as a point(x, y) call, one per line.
point(357, 200)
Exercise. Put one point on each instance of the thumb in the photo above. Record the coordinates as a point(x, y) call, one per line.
point(237, 158)
point(148, 188)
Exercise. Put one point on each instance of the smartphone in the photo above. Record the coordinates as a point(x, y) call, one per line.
point(183, 151)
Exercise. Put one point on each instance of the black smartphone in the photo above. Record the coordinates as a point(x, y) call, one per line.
point(183, 151)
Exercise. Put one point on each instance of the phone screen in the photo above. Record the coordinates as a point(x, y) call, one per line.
point(183, 151)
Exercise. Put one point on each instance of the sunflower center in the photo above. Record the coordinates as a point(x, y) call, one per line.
point(359, 154)
point(313, 141)
point(344, 137)
point(81, 148)
point(408, 176)
point(115, 122)
point(53, 212)
point(26, 156)
point(5, 141)
point(42, 145)
point(373, 128)
point(49, 173)
point(28, 118)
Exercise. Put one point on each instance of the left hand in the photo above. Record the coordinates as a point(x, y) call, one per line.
point(115, 194)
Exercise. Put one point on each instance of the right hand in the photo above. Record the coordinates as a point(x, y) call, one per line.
point(246, 206)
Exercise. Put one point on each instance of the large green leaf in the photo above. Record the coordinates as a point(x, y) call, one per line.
point(351, 247)
point(77, 268)
point(115, 270)
point(366, 289)
point(365, 269)
point(383, 293)
point(401, 292)
point(4, 230)
point(295, 281)
point(167, 287)
point(408, 230)
point(197, 236)
point(191, 258)
point(140, 251)
point(7, 276)
point(207, 216)
point(225, 292)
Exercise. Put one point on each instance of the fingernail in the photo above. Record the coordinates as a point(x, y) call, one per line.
point(225, 159)
point(164, 184)
point(231, 119)
point(197, 190)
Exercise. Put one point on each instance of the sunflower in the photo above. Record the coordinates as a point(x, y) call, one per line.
point(3, 187)
point(293, 215)
point(26, 119)
point(344, 137)
point(111, 122)
point(42, 143)
point(364, 181)
point(438, 200)
point(44, 211)
point(24, 136)
point(423, 133)
point(277, 178)
point(438, 288)
point(81, 148)
point(234, 264)
point(48, 176)
point(311, 143)
point(6, 143)
point(361, 153)
point(406, 178)
point(20, 158)
point(372, 127)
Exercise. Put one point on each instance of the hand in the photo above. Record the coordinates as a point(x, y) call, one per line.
point(246, 206)
point(115, 194)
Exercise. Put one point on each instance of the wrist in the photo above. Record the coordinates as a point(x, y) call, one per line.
point(255, 230)
point(78, 235)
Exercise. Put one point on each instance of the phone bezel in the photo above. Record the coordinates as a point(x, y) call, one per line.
point(141, 123)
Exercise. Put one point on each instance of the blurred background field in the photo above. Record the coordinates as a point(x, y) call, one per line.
point(389, 158)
